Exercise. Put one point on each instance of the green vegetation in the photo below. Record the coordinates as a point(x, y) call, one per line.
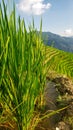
point(24, 61)
point(57, 41)
point(22, 72)
point(59, 61)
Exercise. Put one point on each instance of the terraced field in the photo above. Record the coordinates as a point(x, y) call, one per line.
point(24, 61)
point(59, 61)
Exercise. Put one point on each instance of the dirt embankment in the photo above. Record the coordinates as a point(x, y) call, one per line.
point(58, 94)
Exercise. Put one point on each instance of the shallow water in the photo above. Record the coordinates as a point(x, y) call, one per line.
point(50, 96)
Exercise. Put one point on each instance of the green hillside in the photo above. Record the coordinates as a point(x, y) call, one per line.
point(57, 41)
point(59, 61)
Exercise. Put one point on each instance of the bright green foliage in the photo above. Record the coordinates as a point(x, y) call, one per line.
point(23, 63)
point(22, 75)
point(59, 61)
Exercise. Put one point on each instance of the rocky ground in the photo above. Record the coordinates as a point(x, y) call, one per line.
point(64, 86)
point(58, 94)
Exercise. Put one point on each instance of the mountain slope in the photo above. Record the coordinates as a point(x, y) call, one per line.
point(58, 61)
point(57, 41)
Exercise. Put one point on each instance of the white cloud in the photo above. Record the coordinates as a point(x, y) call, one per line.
point(35, 7)
point(68, 32)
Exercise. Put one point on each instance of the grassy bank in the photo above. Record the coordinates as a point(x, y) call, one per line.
point(22, 72)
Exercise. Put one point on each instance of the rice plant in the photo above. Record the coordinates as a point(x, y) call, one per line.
point(22, 72)
point(24, 61)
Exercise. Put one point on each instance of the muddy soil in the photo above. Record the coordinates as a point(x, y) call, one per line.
point(58, 94)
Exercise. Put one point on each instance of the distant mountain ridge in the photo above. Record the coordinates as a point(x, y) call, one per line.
point(57, 41)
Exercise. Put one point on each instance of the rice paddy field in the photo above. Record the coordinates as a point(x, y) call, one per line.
point(24, 64)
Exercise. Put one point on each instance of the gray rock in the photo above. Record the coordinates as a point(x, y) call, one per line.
point(64, 126)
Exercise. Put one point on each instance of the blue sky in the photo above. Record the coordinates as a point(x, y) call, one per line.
point(57, 15)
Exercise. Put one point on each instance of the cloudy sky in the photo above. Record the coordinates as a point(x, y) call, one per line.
point(57, 15)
